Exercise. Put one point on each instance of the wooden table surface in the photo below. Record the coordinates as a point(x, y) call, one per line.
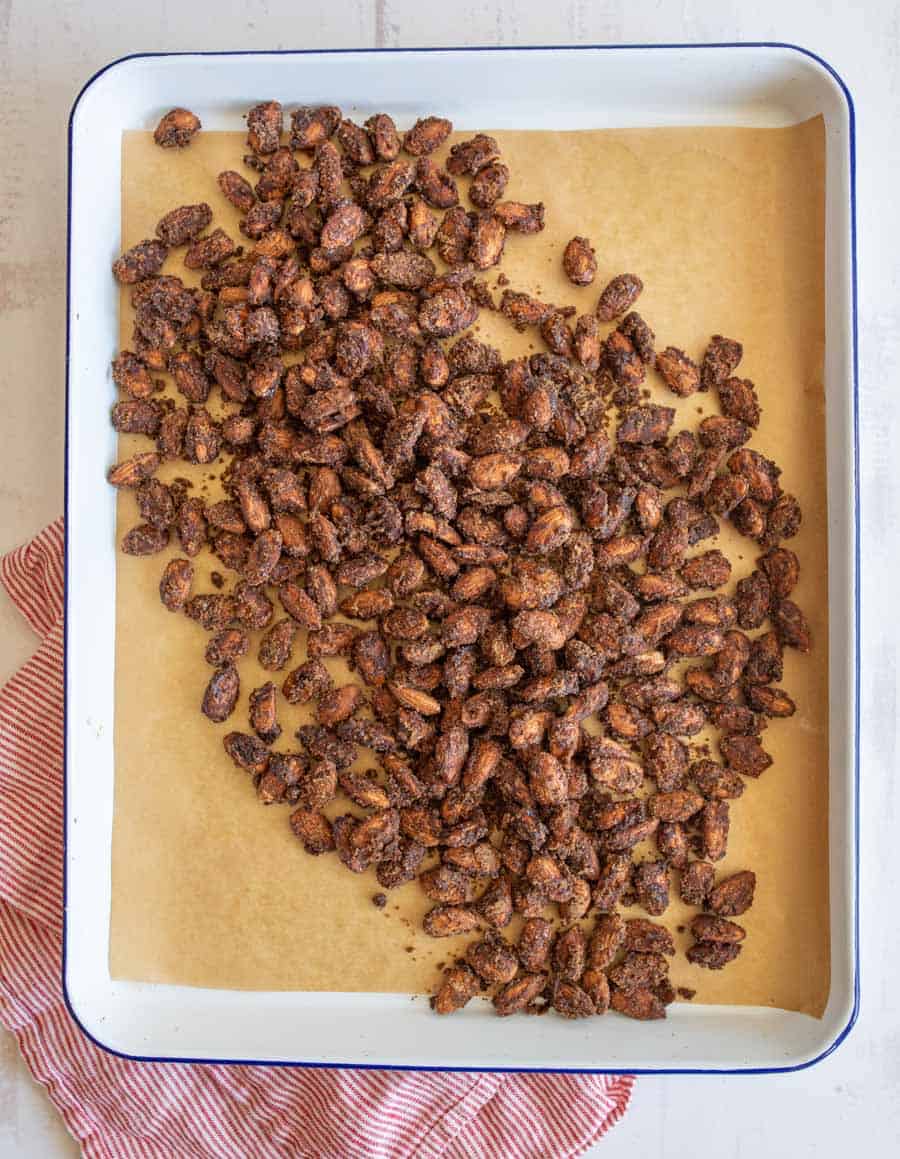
point(48, 48)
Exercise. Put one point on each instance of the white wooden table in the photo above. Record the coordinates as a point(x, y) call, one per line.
point(49, 47)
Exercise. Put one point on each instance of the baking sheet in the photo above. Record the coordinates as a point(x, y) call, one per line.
point(726, 228)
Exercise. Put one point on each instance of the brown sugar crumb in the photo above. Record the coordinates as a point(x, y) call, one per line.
point(379, 900)
point(686, 993)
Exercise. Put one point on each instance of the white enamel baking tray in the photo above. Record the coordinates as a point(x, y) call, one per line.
point(590, 87)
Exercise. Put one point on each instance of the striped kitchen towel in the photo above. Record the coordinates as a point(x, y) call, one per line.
point(117, 1108)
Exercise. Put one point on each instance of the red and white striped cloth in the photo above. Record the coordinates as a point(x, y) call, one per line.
point(117, 1108)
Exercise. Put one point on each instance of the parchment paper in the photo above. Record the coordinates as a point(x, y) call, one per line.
point(725, 227)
